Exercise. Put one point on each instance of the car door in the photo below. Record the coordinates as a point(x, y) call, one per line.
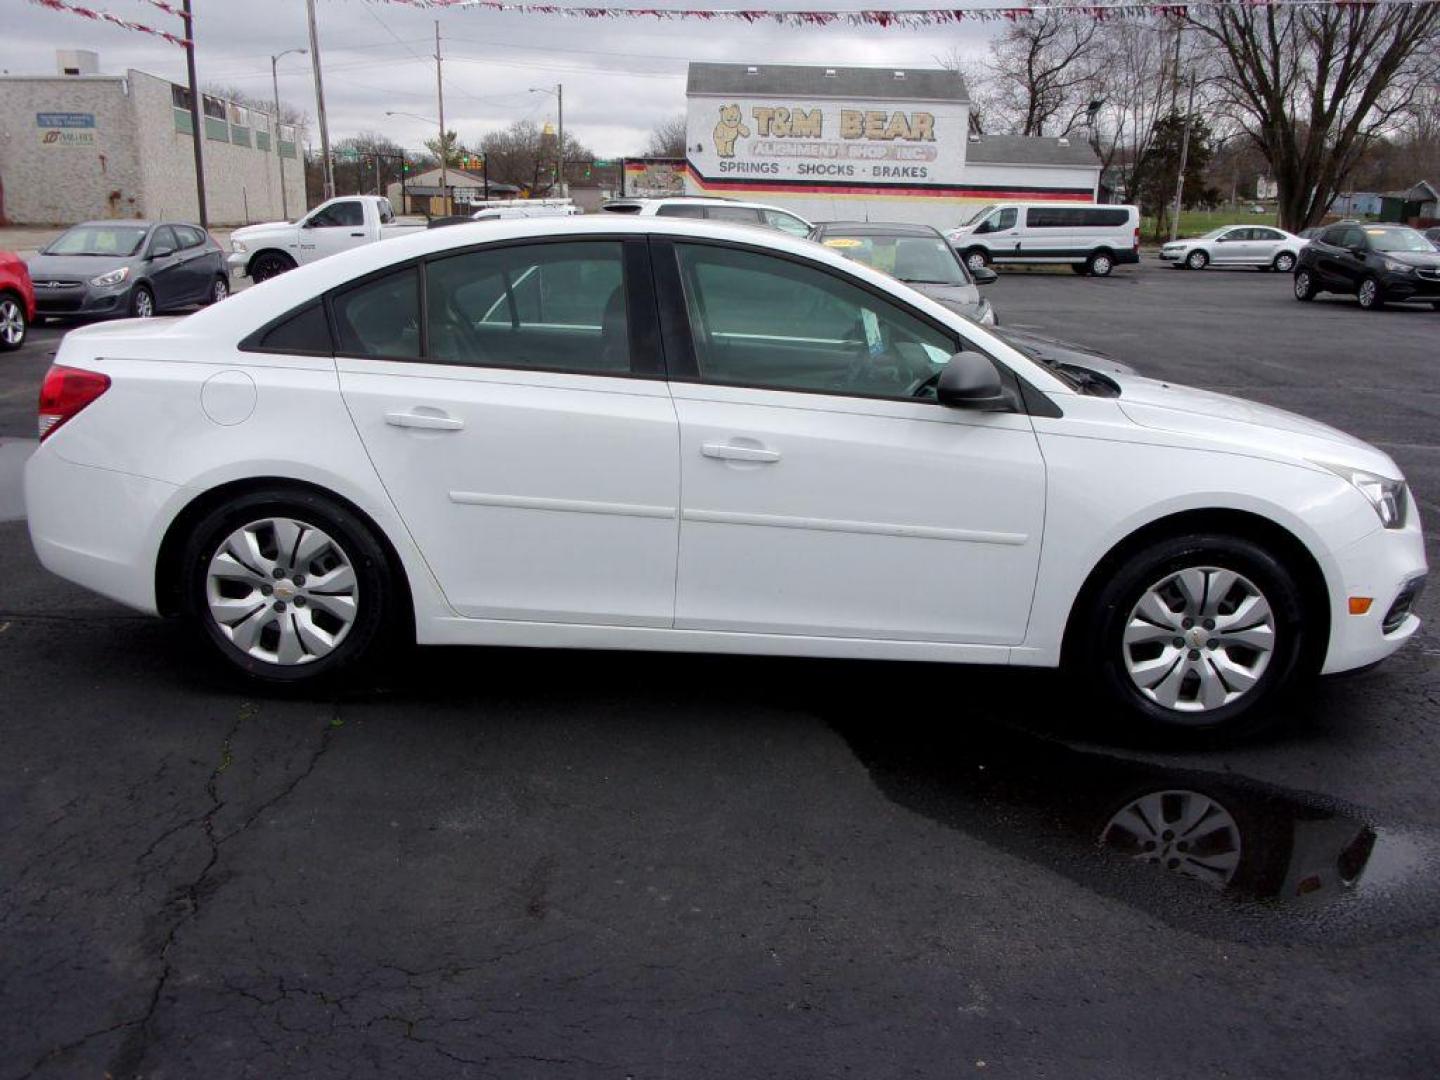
point(331, 229)
point(820, 495)
point(1348, 257)
point(522, 427)
point(1228, 248)
point(1267, 244)
point(196, 269)
point(165, 268)
point(1002, 232)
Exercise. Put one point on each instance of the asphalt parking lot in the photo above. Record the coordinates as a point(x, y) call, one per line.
point(550, 864)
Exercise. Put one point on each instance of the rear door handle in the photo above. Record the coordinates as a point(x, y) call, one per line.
point(730, 452)
point(431, 421)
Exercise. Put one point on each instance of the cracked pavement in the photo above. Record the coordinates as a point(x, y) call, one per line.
point(548, 864)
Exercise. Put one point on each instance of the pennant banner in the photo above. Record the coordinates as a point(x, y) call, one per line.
point(116, 20)
point(894, 17)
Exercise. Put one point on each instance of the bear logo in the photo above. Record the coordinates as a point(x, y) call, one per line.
point(728, 130)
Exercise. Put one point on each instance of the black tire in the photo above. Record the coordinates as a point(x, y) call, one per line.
point(376, 595)
point(977, 254)
point(14, 325)
point(269, 264)
point(1284, 263)
point(1370, 296)
point(1100, 264)
point(1101, 651)
point(1197, 260)
point(1304, 285)
point(142, 302)
point(219, 290)
point(1080, 268)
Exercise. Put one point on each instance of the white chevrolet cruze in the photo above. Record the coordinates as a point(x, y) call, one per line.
point(677, 435)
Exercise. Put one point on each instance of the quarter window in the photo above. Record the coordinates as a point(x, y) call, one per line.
point(380, 317)
point(306, 332)
point(758, 320)
point(557, 307)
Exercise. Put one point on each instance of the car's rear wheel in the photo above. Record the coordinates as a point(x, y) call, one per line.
point(1369, 295)
point(1100, 263)
point(1284, 262)
point(289, 586)
point(142, 302)
point(13, 324)
point(1304, 286)
point(270, 264)
point(1197, 634)
point(1197, 260)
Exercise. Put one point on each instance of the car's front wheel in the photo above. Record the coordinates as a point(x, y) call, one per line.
point(1197, 634)
point(289, 586)
point(977, 259)
point(1197, 260)
point(1305, 286)
point(1370, 296)
point(142, 302)
point(13, 325)
point(219, 289)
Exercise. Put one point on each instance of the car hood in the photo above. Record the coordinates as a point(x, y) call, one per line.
point(1255, 428)
point(964, 299)
point(1421, 259)
point(74, 267)
point(268, 228)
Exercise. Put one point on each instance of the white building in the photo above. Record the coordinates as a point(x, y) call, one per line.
point(864, 143)
point(86, 145)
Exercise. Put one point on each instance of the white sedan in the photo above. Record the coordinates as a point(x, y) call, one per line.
point(1237, 245)
point(652, 433)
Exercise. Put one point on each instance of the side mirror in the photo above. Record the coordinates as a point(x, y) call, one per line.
point(1357, 250)
point(984, 275)
point(970, 381)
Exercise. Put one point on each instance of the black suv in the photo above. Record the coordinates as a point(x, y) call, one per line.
point(1375, 262)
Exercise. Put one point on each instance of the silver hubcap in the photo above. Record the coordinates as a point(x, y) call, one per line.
point(144, 306)
point(977, 262)
point(1285, 262)
point(1101, 265)
point(221, 290)
point(282, 591)
point(1302, 284)
point(1367, 293)
point(1199, 639)
point(12, 322)
point(1183, 831)
point(1197, 260)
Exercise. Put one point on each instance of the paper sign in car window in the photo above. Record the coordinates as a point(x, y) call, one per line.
point(873, 340)
point(842, 242)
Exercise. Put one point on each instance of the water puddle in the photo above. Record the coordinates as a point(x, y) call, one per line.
point(1213, 852)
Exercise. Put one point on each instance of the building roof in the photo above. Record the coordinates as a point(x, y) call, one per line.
point(804, 81)
point(1029, 150)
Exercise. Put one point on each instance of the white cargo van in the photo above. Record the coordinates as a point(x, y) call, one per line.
point(1092, 237)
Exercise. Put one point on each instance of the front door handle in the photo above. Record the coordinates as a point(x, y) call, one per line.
point(431, 421)
point(731, 452)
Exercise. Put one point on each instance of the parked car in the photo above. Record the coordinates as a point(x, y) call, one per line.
point(1260, 246)
point(319, 467)
point(1378, 264)
point(1091, 238)
point(1258, 209)
point(101, 269)
point(919, 256)
point(712, 208)
point(1310, 233)
point(1433, 235)
point(525, 208)
point(17, 301)
point(260, 252)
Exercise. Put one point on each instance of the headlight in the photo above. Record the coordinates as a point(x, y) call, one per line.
point(114, 277)
point(237, 246)
point(1386, 496)
point(1396, 267)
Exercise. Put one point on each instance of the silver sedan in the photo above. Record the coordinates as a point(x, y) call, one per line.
point(1262, 246)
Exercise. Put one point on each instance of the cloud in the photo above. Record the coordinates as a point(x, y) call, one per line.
point(621, 76)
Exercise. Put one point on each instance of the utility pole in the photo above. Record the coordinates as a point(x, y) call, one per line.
point(560, 118)
point(279, 151)
point(1184, 155)
point(327, 165)
point(445, 200)
point(197, 137)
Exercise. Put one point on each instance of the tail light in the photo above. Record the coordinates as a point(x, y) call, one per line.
point(65, 392)
point(1136, 241)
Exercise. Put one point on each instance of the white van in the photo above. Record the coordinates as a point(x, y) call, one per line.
point(1092, 237)
point(525, 208)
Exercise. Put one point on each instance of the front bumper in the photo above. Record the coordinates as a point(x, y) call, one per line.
point(83, 302)
point(1171, 256)
point(1384, 566)
point(1403, 287)
point(237, 263)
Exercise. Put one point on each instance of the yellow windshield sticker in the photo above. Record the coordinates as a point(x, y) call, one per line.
point(843, 242)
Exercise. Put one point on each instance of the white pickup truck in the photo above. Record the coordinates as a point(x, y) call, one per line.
point(263, 251)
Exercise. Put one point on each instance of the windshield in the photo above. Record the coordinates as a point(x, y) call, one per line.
point(1034, 349)
point(973, 218)
point(118, 240)
point(916, 260)
point(1398, 240)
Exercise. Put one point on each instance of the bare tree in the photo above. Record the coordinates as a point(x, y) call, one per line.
point(1044, 71)
point(525, 154)
point(667, 139)
point(1316, 86)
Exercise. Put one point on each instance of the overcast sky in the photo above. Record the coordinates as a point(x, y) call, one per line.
point(621, 76)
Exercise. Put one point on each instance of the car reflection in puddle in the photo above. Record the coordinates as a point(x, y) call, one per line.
point(1211, 852)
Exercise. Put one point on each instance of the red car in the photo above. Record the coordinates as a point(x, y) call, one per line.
point(17, 301)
